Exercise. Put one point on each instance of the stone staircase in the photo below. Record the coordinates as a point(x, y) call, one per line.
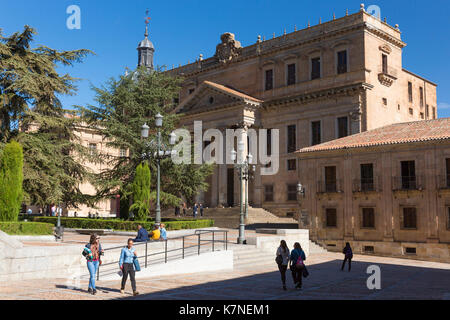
point(316, 248)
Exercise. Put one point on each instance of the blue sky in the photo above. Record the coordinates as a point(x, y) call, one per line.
point(181, 30)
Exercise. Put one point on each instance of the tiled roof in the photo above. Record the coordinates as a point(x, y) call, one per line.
point(399, 133)
point(231, 91)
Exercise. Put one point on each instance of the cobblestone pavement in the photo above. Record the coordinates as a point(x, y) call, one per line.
point(400, 279)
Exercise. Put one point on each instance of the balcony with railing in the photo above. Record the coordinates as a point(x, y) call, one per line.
point(405, 183)
point(444, 182)
point(387, 75)
point(367, 185)
point(333, 186)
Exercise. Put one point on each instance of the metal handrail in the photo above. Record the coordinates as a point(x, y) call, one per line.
point(197, 233)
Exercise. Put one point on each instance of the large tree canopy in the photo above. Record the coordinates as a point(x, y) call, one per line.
point(124, 105)
point(32, 114)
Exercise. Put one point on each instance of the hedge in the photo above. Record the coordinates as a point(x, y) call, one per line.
point(27, 228)
point(83, 223)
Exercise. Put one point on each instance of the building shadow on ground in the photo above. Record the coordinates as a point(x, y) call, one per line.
point(325, 282)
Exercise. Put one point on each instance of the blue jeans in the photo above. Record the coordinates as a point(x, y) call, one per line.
point(93, 268)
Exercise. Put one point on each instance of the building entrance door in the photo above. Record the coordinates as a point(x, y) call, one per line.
point(230, 187)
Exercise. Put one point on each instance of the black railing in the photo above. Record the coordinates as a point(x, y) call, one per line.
point(407, 183)
point(367, 185)
point(334, 186)
point(184, 246)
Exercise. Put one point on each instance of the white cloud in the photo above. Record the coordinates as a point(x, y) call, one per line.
point(443, 106)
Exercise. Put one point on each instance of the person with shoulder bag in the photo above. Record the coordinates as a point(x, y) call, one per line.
point(92, 252)
point(348, 255)
point(297, 265)
point(127, 263)
point(282, 259)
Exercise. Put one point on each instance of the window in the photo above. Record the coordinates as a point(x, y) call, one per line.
point(434, 112)
point(292, 192)
point(408, 174)
point(292, 164)
point(448, 218)
point(410, 92)
point(123, 153)
point(315, 133)
point(411, 111)
point(410, 250)
point(269, 80)
point(447, 167)
point(92, 148)
point(342, 127)
point(367, 177)
point(211, 100)
point(291, 79)
point(330, 179)
point(385, 101)
point(342, 62)
point(398, 107)
point(422, 116)
point(427, 111)
point(315, 68)
point(368, 218)
point(331, 217)
point(421, 96)
point(384, 59)
point(269, 142)
point(409, 218)
point(291, 139)
point(268, 193)
point(369, 249)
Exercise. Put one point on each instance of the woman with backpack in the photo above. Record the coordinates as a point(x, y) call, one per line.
point(348, 256)
point(126, 264)
point(297, 265)
point(92, 251)
point(282, 259)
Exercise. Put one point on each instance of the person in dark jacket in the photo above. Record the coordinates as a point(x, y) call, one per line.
point(201, 209)
point(195, 210)
point(348, 256)
point(177, 211)
point(142, 235)
point(297, 264)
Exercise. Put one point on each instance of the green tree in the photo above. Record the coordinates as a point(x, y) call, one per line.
point(124, 105)
point(32, 114)
point(141, 192)
point(11, 177)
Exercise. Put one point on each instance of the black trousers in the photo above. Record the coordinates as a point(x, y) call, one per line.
point(283, 270)
point(128, 268)
point(297, 275)
point(349, 263)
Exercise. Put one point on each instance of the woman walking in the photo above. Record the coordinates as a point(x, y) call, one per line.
point(126, 264)
point(283, 261)
point(297, 265)
point(348, 256)
point(92, 252)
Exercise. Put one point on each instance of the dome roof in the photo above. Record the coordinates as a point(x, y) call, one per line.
point(146, 44)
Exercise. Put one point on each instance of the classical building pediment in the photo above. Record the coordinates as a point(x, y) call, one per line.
point(211, 96)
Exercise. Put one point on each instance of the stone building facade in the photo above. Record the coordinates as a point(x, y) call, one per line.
point(314, 85)
point(386, 191)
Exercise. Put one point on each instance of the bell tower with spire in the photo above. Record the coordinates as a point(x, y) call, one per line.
point(146, 48)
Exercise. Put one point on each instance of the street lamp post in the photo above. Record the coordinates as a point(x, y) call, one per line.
point(243, 165)
point(161, 152)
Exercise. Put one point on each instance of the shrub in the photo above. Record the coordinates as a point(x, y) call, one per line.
point(84, 223)
point(27, 228)
point(11, 178)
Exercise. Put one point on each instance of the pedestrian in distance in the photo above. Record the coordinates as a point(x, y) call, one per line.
point(195, 210)
point(142, 235)
point(297, 265)
point(163, 231)
point(126, 264)
point(201, 209)
point(92, 252)
point(282, 259)
point(155, 235)
point(177, 211)
point(184, 209)
point(348, 256)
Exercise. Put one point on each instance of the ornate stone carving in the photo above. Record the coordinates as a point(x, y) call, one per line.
point(228, 49)
point(385, 48)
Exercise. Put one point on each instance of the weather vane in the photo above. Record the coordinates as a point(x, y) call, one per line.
point(147, 19)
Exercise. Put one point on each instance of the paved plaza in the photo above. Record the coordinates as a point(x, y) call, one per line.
point(400, 279)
